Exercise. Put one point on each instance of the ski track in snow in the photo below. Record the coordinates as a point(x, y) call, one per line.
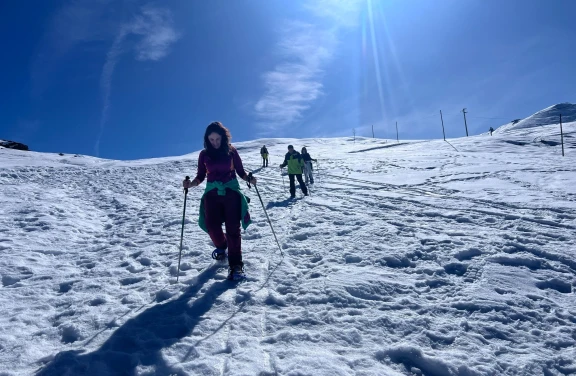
point(412, 259)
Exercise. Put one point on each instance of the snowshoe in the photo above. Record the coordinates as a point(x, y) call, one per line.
point(219, 254)
point(236, 273)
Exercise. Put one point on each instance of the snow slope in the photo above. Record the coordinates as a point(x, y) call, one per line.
point(430, 257)
point(547, 116)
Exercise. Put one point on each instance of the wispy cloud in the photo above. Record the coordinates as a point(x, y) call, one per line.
point(294, 84)
point(154, 26)
point(147, 35)
point(342, 13)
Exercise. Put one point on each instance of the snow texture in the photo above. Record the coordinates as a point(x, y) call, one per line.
point(419, 258)
point(547, 116)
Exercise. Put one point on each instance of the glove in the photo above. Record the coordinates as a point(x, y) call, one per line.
point(187, 184)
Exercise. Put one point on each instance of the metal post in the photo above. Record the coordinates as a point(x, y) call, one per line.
point(442, 119)
point(465, 125)
point(561, 135)
point(397, 139)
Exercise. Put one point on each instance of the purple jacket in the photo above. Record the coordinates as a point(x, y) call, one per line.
point(222, 170)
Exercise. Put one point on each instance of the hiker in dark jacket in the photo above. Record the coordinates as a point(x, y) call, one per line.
point(491, 130)
point(307, 166)
point(264, 154)
point(295, 164)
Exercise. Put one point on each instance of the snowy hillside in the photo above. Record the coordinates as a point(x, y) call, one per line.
point(430, 258)
point(547, 116)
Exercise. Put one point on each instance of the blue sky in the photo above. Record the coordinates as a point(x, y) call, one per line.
point(128, 79)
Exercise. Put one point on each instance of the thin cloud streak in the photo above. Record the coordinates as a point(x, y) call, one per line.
point(106, 83)
point(155, 27)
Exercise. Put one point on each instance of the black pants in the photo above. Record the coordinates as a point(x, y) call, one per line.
point(264, 162)
point(293, 185)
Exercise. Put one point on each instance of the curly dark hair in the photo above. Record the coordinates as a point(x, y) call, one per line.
point(225, 146)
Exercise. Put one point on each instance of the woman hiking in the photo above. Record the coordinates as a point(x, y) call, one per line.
point(307, 166)
point(222, 201)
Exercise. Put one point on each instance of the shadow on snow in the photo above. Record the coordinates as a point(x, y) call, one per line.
point(140, 340)
point(282, 204)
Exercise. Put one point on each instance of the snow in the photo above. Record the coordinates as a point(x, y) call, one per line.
point(415, 258)
point(547, 116)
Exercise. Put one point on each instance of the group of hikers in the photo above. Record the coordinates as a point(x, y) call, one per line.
point(298, 164)
point(223, 201)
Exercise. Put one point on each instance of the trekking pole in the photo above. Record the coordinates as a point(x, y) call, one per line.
point(265, 212)
point(182, 234)
point(283, 184)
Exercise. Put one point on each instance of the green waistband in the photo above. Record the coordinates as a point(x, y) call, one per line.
point(221, 187)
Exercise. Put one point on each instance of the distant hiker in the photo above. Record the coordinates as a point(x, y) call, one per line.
point(295, 165)
point(307, 166)
point(491, 130)
point(264, 154)
point(222, 201)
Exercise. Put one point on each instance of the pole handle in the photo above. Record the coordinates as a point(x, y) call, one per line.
point(186, 189)
point(249, 180)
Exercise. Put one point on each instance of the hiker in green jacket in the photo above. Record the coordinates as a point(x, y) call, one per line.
point(295, 164)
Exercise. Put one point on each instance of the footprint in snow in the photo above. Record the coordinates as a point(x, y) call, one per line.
point(66, 286)
point(131, 280)
point(467, 254)
point(555, 284)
